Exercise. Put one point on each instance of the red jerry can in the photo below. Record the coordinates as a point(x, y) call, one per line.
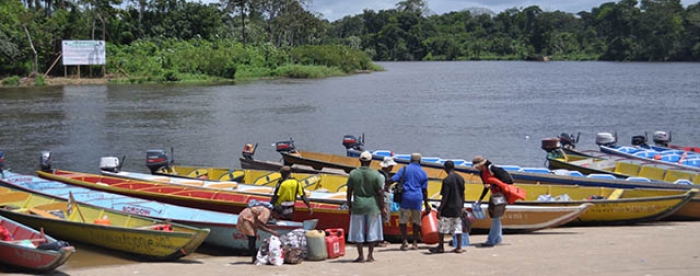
point(335, 242)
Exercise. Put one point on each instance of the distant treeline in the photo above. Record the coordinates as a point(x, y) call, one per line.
point(172, 39)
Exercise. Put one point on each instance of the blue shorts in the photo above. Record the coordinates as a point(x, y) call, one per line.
point(365, 228)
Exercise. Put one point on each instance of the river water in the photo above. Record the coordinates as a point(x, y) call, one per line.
point(500, 110)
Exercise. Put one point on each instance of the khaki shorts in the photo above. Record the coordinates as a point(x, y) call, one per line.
point(409, 214)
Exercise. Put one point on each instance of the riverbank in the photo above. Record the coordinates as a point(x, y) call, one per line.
point(661, 248)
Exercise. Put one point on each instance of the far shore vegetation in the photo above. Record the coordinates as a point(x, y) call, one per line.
point(178, 41)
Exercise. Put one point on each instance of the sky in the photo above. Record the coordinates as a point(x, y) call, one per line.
point(337, 9)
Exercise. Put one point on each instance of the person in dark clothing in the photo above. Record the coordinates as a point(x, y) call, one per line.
point(451, 208)
point(493, 178)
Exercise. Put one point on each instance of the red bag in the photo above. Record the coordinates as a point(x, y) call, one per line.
point(514, 193)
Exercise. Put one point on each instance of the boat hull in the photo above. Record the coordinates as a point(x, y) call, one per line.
point(223, 232)
point(126, 233)
point(328, 215)
point(16, 255)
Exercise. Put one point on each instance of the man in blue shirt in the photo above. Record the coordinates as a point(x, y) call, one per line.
point(415, 186)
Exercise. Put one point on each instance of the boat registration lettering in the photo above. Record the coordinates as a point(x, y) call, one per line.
point(21, 179)
point(136, 210)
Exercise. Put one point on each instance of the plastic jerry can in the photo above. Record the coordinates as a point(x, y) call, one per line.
point(429, 228)
point(316, 241)
point(332, 246)
point(340, 233)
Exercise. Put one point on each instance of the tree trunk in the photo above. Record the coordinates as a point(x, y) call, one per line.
point(36, 56)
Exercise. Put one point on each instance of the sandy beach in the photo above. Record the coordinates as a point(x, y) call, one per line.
point(661, 248)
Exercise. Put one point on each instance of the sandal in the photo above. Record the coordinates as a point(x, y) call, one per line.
point(404, 247)
point(458, 251)
point(436, 250)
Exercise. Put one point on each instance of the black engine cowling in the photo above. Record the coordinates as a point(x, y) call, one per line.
point(157, 159)
point(352, 142)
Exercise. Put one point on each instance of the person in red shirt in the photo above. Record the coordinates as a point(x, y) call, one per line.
point(494, 178)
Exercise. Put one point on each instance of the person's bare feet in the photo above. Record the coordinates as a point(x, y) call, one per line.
point(359, 260)
point(414, 247)
point(404, 246)
point(370, 259)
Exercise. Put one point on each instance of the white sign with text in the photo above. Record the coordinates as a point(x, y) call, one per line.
point(84, 52)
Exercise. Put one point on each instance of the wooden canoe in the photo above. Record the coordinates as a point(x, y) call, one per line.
point(15, 254)
point(330, 215)
point(222, 225)
point(88, 224)
point(612, 206)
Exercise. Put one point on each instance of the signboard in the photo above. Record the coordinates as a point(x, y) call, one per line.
point(84, 52)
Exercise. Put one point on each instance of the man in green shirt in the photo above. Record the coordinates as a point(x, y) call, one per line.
point(366, 203)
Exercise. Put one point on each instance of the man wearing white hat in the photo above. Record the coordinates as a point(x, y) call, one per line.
point(366, 203)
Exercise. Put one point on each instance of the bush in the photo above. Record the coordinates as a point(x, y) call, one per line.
point(170, 76)
point(11, 81)
point(39, 80)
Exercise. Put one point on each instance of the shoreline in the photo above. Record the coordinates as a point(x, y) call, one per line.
point(658, 248)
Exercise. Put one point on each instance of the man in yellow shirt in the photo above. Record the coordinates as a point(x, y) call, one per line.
point(286, 193)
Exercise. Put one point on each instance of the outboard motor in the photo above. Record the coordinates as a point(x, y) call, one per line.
point(110, 164)
point(550, 144)
point(249, 151)
point(662, 138)
point(639, 141)
point(605, 139)
point(285, 146)
point(45, 161)
point(352, 142)
point(2, 162)
point(567, 141)
point(157, 159)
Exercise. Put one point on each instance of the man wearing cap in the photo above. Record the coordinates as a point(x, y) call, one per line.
point(415, 186)
point(493, 177)
point(387, 166)
point(366, 203)
point(285, 196)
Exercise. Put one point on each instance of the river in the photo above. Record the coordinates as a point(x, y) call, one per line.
point(498, 109)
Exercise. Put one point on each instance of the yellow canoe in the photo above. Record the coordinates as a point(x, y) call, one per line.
point(72, 221)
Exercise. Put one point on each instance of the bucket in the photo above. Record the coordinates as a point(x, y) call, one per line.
point(465, 239)
point(340, 233)
point(316, 242)
point(429, 228)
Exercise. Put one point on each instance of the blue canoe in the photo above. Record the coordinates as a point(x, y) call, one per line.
point(533, 174)
point(222, 225)
point(682, 159)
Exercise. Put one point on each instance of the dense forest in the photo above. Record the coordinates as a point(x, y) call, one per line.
point(170, 40)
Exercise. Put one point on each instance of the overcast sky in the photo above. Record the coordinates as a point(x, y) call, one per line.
point(336, 9)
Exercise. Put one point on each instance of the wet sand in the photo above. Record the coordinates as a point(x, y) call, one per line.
point(661, 248)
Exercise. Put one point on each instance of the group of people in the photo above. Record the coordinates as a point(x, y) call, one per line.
point(369, 197)
point(369, 191)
